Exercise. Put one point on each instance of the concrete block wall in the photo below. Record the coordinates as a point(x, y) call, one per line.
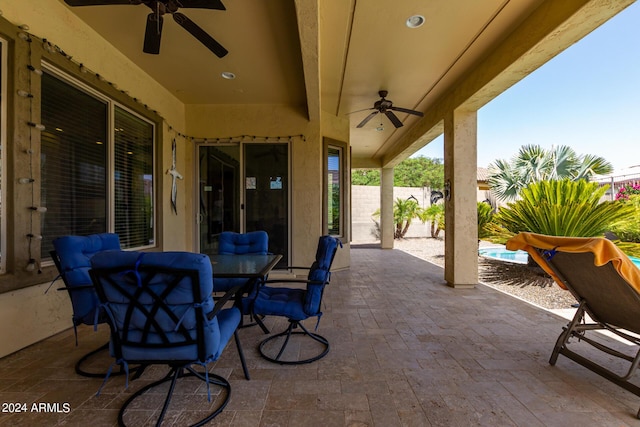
point(366, 200)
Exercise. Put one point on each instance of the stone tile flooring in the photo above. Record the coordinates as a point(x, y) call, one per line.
point(406, 350)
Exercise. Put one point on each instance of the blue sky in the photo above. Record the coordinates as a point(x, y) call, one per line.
point(587, 97)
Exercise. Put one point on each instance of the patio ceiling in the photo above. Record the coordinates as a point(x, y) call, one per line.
point(364, 46)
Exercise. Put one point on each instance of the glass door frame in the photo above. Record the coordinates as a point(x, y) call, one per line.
point(197, 216)
point(242, 189)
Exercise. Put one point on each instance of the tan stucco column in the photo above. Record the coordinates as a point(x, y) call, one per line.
point(386, 208)
point(461, 211)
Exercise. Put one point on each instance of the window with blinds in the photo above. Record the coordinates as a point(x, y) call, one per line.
point(79, 170)
point(133, 179)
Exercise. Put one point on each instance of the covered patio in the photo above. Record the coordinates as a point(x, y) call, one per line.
point(406, 349)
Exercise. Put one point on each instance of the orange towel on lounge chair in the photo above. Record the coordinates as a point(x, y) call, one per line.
point(604, 251)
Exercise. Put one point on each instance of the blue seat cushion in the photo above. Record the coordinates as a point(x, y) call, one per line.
point(286, 302)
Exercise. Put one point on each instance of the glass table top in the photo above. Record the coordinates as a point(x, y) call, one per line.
point(246, 265)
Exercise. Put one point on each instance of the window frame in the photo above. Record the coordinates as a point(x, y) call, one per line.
point(4, 72)
point(24, 61)
point(342, 148)
point(111, 151)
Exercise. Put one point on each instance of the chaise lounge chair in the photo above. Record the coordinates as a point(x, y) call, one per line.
point(606, 284)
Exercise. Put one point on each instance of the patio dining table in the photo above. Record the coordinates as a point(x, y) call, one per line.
point(253, 267)
point(249, 266)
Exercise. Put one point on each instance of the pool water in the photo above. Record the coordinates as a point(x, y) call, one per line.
point(520, 257)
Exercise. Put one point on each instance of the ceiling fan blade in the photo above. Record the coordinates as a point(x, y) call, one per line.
point(202, 4)
point(357, 111)
point(366, 119)
point(200, 34)
point(153, 33)
point(406, 110)
point(396, 122)
point(99, 2)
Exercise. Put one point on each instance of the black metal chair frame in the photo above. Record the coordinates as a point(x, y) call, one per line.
point(179, 368)
point(287, 333)
point(78, 366)
point(295, 324)
point(245, 291)
point(616, 310)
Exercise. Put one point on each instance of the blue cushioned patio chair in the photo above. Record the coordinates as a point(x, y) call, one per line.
point(232, 243)
point(72, 257)
point(160, 310)
point(296, 305)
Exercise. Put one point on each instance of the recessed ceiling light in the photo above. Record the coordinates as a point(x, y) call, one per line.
point(228, 75)
point(415, 21)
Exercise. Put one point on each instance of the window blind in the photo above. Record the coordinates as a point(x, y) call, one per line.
point(75, 167)
point(133, 176)
point(73, 162)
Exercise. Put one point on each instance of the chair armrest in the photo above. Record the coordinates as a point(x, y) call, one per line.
point(75, 288)
point(308, 282)
point(223, 300)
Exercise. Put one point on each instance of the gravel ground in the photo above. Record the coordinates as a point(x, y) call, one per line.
point(514, 279)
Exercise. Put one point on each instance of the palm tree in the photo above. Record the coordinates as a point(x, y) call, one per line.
point(434, 214)
point(403, 213)
point(534, 164)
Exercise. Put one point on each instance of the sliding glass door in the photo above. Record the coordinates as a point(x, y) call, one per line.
point(219, 196)
point(266, 190)
point(243, 196)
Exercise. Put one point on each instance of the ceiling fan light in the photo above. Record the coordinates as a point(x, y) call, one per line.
point(228, 75)
point(415, 21)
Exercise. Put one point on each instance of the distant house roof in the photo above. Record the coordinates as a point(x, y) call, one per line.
point(631, 173)
point(483, 174)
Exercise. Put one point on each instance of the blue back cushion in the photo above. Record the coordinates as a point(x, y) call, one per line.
point(320, 272)
point(254, 242)
point(180, 300)
point(230, 243)
point(75, 253)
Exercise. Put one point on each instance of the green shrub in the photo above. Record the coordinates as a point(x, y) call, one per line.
point(628, 229)
point(485, 216)
point(563, 208)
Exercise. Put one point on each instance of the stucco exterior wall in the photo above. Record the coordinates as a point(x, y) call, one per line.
point(22, 313)
point(29, 315)
point(307, 159)
point(273, 120)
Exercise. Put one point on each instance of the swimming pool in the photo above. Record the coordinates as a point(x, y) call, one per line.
point(520, 257)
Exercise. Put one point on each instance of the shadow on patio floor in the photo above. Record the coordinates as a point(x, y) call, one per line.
point(405, 350)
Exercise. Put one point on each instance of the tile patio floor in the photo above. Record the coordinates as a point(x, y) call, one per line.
point(406, 350)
